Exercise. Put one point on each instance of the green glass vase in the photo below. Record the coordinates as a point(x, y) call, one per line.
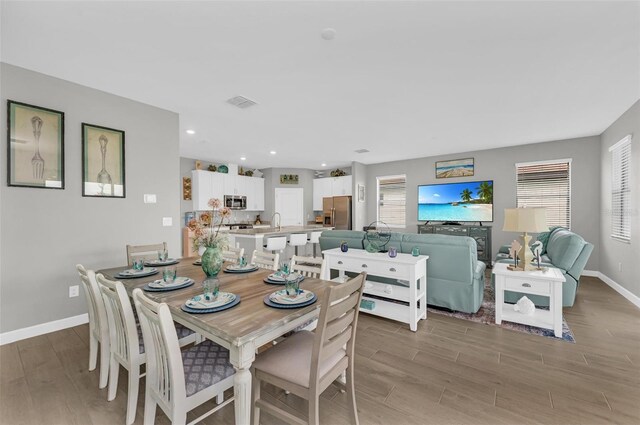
point(212, 261)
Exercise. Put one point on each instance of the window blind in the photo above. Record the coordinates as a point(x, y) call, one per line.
point(392, 192)
point(546, 185)
point(621, 189)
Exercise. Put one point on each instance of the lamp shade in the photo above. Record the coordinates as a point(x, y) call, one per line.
point(525, 220)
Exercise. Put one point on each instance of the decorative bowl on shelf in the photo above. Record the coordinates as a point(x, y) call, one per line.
point(223, 169)
point(211, 167)
point(248, 173)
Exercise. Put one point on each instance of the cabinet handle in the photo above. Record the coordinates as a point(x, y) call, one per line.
point(526, 285)
point(392, 269)
point(339, 262)
point(364, 266)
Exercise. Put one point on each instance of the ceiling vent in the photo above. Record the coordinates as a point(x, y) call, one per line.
point(241, 102)
point(362, 150)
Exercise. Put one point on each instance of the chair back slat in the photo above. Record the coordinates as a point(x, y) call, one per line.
point(265, 260)
point(123, 334)
point(145, 252)
point(232, 254)
point(97, 312)
point(164, 361)
point(337, 323)
point(308, 266)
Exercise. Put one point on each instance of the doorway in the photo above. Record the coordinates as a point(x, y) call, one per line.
point(290, 204)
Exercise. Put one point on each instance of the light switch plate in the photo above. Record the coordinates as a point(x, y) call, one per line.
point(74, 291)
point(167, 221)
point(150, 198)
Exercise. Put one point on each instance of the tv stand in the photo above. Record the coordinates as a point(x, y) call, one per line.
point(482, 235)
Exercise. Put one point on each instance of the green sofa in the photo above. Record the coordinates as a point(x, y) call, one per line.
point(566, 251)
point(455, 278)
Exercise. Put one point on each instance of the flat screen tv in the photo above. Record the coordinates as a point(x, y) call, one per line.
point(456, 202)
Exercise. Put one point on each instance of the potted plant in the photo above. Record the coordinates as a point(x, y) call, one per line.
point(206, 231)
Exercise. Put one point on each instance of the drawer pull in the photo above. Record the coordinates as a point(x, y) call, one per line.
point(364, 266)
point(339, 262)
point(392, 269)
point(526, 285)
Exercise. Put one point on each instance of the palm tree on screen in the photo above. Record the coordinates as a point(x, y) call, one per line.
point(485, 191)
point(466, 195)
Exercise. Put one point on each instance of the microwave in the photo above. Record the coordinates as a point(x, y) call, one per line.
point(235, 202)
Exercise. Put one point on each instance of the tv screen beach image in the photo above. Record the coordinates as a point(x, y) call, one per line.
point(469, 201)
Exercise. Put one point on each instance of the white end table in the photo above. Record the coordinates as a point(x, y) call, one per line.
point(547, 283)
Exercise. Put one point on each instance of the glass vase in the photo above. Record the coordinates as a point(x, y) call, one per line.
point(212, 261)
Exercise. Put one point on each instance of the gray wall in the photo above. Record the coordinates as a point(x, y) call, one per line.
point(45, 233)
point(613, 252)
point(499, 165)
point(272, 181)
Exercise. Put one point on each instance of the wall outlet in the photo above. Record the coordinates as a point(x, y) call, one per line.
point(167, 221)
point(150, 198)
point(619, 267)
point(74, 291)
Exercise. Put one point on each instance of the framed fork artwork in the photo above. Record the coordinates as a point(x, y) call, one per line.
point(35, 146)
point(103, 168)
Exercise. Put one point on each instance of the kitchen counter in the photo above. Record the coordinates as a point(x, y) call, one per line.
point(274, 231)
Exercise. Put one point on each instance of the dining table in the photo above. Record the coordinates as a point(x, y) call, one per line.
point(241, 329)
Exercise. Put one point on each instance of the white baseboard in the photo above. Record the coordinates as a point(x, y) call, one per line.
point(592, 273)
point(43, 328)
point(618, 288)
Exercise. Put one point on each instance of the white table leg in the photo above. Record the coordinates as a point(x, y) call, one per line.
point(555, 305)
point(241, 358)
point(499, 298)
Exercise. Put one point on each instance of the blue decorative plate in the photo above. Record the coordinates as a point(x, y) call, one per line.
point(211, 310)
point(245, 270)
point(151, 272)
point(270, 303)
point(148, 288)
point(277, 282)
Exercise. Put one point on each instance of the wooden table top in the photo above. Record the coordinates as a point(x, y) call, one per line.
point(237, 325)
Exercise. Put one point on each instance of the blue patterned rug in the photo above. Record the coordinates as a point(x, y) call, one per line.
point(487, 315)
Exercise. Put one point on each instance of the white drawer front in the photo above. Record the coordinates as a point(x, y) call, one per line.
point(526, 285)
point(378, 268)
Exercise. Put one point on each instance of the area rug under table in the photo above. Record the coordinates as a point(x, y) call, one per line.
point(487, 315)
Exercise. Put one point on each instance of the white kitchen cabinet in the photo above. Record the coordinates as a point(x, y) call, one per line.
point(207, 185)
point(330, 186)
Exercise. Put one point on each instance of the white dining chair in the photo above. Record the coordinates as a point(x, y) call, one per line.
point(308, 266)
point(179, 381)
point(306, 363)
point(296, 240)
point(145, 252)
point(98, 324)
point(126, 343)
point(265, 260)
point(232, 254)
point(314, 239)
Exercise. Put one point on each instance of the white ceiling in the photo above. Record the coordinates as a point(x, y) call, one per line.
point(402, 79)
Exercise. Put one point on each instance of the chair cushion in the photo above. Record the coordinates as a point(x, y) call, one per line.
point(204, 365)
point(564, 248)
point(291, 359)
point(181, 331)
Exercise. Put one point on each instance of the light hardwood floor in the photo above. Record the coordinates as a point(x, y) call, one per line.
point(449, 372)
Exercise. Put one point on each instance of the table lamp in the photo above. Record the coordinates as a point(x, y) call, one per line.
point(525, 220)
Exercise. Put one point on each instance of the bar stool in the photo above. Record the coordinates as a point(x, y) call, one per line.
point(314, 239)
point(297, 240)
point(276, 244)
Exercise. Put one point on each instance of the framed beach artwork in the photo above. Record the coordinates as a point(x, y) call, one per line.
point(102, 162)
point(35, 148)
point(454, 168)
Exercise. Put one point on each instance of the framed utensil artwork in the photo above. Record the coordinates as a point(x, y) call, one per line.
point(35, 146)
point(103, 170)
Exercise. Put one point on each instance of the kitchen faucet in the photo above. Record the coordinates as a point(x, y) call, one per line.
point(279, 219)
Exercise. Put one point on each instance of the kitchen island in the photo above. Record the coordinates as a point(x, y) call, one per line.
point(251, 239)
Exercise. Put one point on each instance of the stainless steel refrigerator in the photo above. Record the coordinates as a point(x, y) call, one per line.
point(337, 212)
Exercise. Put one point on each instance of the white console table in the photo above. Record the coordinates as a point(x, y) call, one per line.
point(405, 303)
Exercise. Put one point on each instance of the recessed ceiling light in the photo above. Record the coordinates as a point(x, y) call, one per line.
point(242, 158)
point(191, 132)
point(328, 33)
point(272, 152)
point(323, 165)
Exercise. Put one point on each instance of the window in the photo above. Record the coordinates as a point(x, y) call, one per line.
point(621, 189)
point(392, 200)
point(546, 184)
